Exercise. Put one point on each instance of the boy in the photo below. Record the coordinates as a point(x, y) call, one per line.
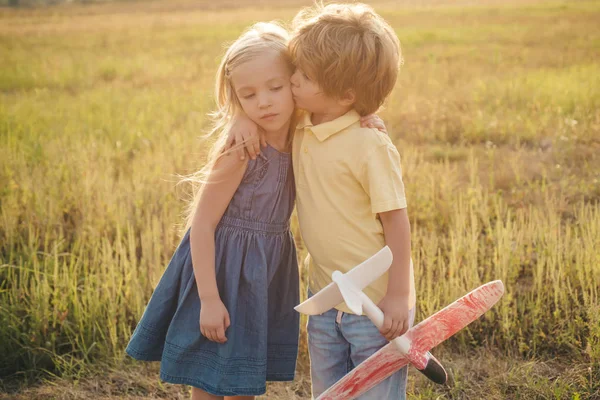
point(350, 194)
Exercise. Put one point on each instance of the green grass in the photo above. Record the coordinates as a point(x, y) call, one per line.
point(496, 115)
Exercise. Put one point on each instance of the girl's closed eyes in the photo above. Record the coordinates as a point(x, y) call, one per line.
point(205, 314)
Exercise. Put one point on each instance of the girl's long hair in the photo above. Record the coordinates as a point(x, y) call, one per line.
point(254, 42)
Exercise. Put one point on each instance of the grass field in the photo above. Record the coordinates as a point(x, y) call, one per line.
point(496, 115)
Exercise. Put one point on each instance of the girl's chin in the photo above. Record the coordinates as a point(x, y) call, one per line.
point(271, 128)
point(264, 125)
point(267, 128)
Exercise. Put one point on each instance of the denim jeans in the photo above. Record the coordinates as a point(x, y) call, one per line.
point(337, 342)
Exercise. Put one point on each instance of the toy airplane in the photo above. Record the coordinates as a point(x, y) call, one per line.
point(412, 347)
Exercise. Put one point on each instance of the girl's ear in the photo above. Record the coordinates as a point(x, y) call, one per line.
point(348, 98)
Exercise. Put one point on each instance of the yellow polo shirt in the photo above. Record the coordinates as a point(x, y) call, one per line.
point(345, 175)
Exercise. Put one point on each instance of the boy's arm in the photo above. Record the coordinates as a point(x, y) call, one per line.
point(395, 304)
point(381, 177)
point(245, 136)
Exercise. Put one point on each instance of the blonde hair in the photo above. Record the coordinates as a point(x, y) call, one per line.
point(347, 47)
point(254, 42)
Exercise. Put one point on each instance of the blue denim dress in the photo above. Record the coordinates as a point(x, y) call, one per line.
point(257, 278)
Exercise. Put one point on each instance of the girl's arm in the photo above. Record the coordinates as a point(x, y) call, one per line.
point(373, 121)
point(246, 137)
point(221, 184)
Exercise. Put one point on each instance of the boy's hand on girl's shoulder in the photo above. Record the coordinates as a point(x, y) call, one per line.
point(214, 319)
point(245, 136)
point(373, 121)
point(395, 312)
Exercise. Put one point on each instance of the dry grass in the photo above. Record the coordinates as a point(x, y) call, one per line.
point(475, 375)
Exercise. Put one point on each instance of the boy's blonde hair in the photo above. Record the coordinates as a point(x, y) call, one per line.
point(260, 38)
point(347, 47)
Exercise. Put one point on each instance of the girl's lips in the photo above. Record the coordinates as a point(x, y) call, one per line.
point(268, 116)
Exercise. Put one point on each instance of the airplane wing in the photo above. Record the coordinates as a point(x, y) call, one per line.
point(360, 276)
point(423, 337)
point(367, 375)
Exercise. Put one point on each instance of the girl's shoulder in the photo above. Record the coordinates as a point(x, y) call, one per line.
point(269, 158)
point(229, 161)
point(228, 167)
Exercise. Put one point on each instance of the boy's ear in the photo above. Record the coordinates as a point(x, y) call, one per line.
point(348, 98)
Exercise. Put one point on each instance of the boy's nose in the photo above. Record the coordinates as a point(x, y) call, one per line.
point(294, 79)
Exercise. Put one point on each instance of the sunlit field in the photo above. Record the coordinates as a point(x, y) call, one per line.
point(496, 115)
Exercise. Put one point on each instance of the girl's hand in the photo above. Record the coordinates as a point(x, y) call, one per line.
point(214, 319)
point(395, 316)
point(373, 121)
point(245, 136)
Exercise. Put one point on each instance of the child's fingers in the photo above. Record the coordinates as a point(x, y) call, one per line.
point(365, 122)
point(214, 335)
point(239, 141)
point(403, 328)
point(256, 148)
point(397, 329)
point(227, 321)
point(373, 121)
point(390, 333)
point(220, 335)
point(245, 146)
point(379, 126)
point(387, 325)
point(207, 334)
point(375, 124)
point(251, 145)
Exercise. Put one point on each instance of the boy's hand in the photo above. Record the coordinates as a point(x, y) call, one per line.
point(373, 121)
point(245, 136)
point(395, 312)
point(214, 319)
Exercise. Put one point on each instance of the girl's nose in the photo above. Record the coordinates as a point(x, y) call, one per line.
point(263, 101)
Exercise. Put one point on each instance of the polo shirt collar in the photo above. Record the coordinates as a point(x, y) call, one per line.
point(325, 130)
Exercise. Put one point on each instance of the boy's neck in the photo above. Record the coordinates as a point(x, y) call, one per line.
point(329, 115)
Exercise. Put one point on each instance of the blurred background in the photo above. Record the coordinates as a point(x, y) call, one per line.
point(496, 115)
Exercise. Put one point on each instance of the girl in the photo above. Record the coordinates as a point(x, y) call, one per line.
point(222, 317)
point(235, 272)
